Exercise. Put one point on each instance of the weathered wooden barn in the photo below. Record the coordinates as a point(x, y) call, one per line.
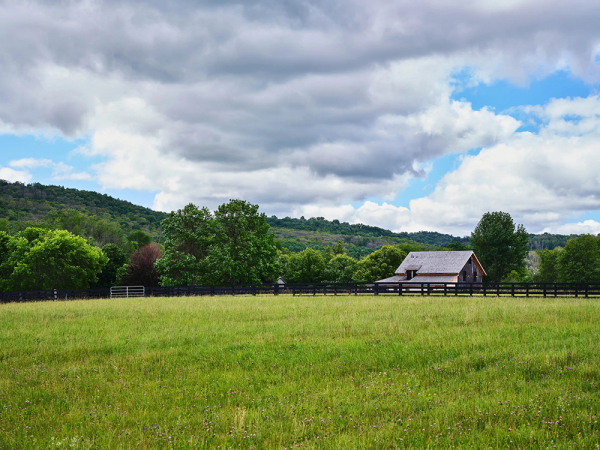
point(438, 267)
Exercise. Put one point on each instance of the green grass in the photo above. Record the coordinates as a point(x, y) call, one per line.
point(301, 372)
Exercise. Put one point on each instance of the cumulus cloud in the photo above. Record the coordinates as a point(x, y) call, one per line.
point(8, 174)
point(302, 106)
point(541, 179)
point(30, 163)
point(60, 170)
point(585, 227)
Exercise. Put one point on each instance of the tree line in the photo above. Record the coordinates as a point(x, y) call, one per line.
point(234, 245)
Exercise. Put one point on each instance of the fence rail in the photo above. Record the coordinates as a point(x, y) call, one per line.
point(399, 289)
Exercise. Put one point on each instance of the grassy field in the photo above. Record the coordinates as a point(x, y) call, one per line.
point(301, 372)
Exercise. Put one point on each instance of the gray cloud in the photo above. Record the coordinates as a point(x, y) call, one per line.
point(344, 100)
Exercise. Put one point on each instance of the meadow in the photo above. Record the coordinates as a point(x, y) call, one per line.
point(287, 372)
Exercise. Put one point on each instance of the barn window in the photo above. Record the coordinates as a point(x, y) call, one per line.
point(464, 275)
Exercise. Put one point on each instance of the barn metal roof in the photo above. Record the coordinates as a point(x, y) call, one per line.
point(433, 279)
point(438, 262)
point(394, 279)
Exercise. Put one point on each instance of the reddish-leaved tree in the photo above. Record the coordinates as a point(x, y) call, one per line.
point(141, 271)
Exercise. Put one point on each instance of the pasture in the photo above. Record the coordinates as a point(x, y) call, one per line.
point(301, 372)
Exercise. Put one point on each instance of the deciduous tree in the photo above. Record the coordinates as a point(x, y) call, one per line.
point(380, 264)
point(340, 269)
point(579, 261)
point(42, 259)
point(141, 270)
point(547, 271)
point(189, 233)
point(500, 246)
point(307, 266)
point(244, 252)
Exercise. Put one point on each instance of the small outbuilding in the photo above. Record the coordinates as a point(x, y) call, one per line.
point(438, 267)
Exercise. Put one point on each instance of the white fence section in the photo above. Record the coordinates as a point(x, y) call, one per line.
point(127, 291)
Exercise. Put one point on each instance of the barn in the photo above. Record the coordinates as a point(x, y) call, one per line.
point(438, 267)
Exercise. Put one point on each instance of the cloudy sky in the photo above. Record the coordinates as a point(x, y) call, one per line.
point(401, 114)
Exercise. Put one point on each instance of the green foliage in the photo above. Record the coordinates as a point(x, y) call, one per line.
point(344, 228)
point(499, 245)
point(34, 203)
point(547, 241)
point(139, 239)
point(579, 261)
point(42, 259)
point(380, 264)
point(189, 235)
point(456, 246)
point(308, 266)
point(232, 246)
point(335, 250)
point(110, 273)
point(340, 269)
point(548, 270)
point(244, 252)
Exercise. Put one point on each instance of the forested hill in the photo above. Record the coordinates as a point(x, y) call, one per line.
point(320, 224)
point(35, 202)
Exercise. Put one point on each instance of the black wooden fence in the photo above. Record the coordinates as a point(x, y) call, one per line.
point(399, 289)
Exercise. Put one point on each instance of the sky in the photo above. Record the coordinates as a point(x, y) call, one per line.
point(400, 114)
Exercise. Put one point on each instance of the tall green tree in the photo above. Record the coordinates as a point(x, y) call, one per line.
point(190, 234)
point(340, 269)
point(244, 252)
point(579, 261)
point(380, 264)
point(548, 269)
point(42, 259)
point(500, 246)
point(231, 246)
point(307, 266)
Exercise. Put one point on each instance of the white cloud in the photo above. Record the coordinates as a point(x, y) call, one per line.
point(8, 174)
point(585, 227)
point(62, 171)
point(30, 163)
point(540, 179)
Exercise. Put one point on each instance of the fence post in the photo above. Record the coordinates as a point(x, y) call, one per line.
point(471, 289)
point(375, 289)
point(576, 290)
point(527, 290)
point(586, 290)
point(399, 288)
point(484, 287)
point(544, 285)
point(513, 289)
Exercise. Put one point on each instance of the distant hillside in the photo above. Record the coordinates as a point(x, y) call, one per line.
point(319, 224)
point(34, 202)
